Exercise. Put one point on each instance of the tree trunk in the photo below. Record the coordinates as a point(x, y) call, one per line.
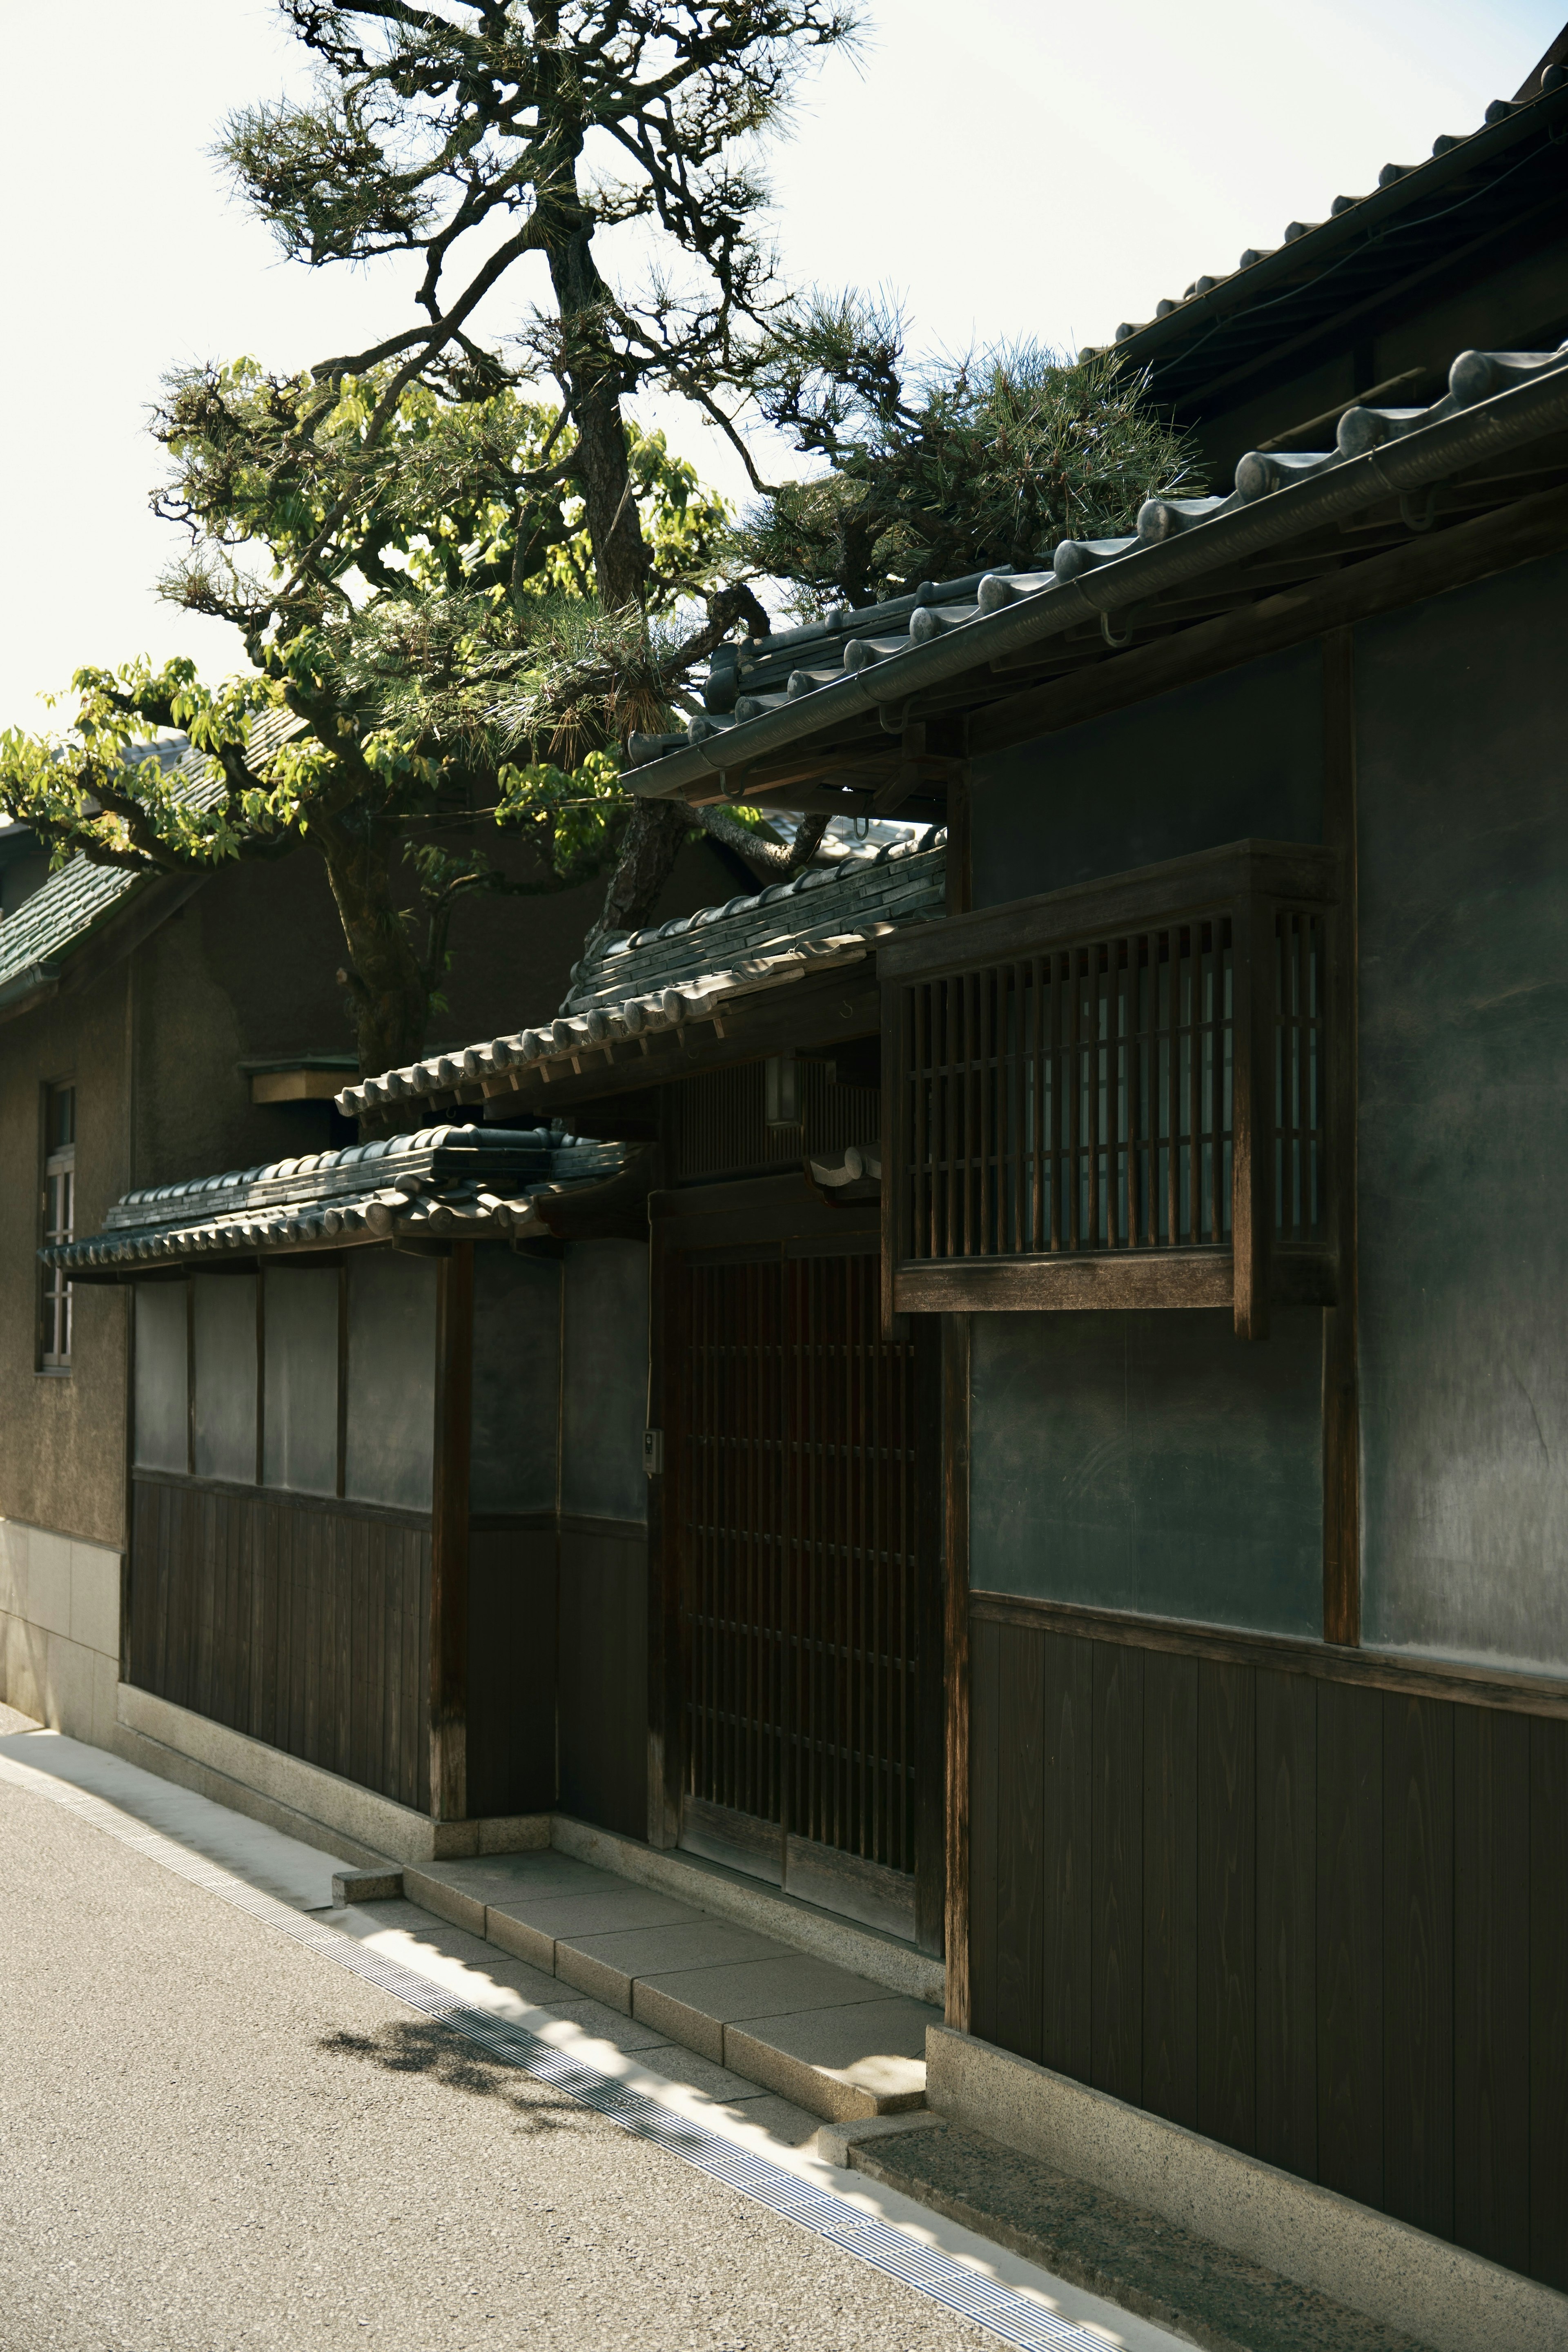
point(386, 982)
point(615, 529)
point(653, 842)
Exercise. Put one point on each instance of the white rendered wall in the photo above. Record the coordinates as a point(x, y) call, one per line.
point(59, 1630)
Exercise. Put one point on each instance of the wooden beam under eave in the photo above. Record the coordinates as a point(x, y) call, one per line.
point(1424, 567)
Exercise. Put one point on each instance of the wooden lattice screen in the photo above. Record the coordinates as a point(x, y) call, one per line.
point(797, 1506)
point(1115, 1096)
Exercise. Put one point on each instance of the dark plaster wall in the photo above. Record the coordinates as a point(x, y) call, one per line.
point(1150, 1462)
point(1214, 762)
point(1464, 1121)
point(517, 1381)
point(603, 1405)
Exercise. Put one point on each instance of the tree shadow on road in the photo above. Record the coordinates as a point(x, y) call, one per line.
point(412, 2047)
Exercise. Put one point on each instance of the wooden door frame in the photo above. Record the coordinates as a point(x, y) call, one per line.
point(762, 1212)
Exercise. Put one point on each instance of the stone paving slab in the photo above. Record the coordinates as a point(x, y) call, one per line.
point(694, 2005)
point(865, 2059)
point(609, 1965)
point(749, 2007)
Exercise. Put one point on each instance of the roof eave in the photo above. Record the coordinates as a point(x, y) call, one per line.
point(1522, 413)
point(1158, 339)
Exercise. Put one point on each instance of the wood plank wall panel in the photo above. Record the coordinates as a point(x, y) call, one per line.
point(1116, 1878)
point(1419, 1962)
point(1067, 2031)
point(1286, 1709)
point(986, 1831)
point(1324, 1923)
point(1226, 1959)
point(1020, 1875)
point(1491, 1984)
point(1171, 1886)
point(302, 1626)
point(511, 1670)
point(1549, 2002)
point(602, 1688)
point(1349, 1941)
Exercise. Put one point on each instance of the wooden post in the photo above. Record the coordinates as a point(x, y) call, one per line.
point(449, 1536)
point(960, 883)
point(665, 1761)
point(955, 1355)
point(930, 1759)
point(1255, 987)
point(1342, 1402)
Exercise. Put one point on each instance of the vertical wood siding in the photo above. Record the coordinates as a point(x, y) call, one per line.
point(304, 1626)
point(1324, 1923)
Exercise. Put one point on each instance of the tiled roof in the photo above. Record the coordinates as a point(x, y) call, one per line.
point(475, 1182)
point(60, 914)
point(697, 968)
point(1468, 186)
point(764, 695)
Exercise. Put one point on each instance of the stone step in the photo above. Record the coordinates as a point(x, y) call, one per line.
point(835, 2042)
point(1133, 2258)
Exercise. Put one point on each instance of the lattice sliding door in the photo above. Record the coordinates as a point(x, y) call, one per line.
point(733, 1494)
point(798, 1514)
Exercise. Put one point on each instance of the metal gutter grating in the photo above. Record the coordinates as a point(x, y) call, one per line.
point(1016, 2318)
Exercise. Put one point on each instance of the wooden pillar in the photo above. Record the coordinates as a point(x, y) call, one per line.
point(1253, 955)
point(665, 1758)
point(449, 1536)
point(955, 1354)
point(960, 883)
point(1342, 1402)
point(930, 1764)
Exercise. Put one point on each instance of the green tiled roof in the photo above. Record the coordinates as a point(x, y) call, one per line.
point(58, 916)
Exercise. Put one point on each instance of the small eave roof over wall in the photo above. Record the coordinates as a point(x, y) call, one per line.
point(834, 673)
point(701, 967)
point(475, 1183)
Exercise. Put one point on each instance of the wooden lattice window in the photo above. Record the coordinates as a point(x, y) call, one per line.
point(1116, 1096)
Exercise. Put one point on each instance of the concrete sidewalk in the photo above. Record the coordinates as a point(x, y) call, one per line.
point(214, 2138)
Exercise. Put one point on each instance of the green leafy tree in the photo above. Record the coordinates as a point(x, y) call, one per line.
point(441, 665)
point(458, 597)
point(935, 471)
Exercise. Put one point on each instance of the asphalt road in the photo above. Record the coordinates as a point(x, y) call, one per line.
point(210, 2137)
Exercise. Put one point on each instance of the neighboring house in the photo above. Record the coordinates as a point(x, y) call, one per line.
point(150, 1025)
point(1044, 1433)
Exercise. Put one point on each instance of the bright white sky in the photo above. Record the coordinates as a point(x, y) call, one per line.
point(1007, 167)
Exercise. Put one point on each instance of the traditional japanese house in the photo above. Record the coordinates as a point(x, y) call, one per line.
point(151, 1026)
point(1094, 1332)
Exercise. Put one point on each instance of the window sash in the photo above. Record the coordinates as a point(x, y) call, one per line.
point(58, 1227)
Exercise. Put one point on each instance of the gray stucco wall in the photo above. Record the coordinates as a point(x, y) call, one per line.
point(517, 1381)
point(1464, 1122)
point(604, 1405)
point(1232, 757)
point(1150, 1462)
